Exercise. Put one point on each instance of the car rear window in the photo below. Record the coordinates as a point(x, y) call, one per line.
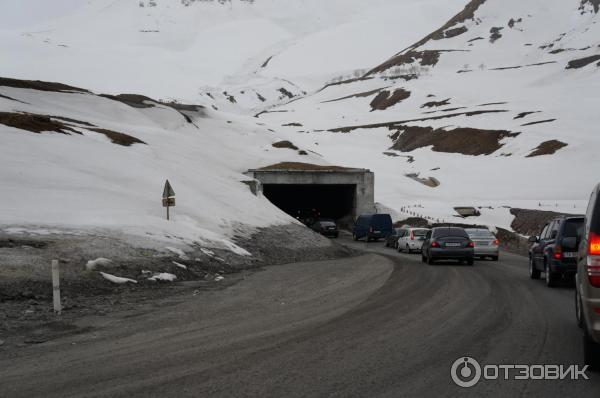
point(419, 232)
point(595, 218)
point(573, 228)
point(327, 223)
point(480, 233)
point(441, 232)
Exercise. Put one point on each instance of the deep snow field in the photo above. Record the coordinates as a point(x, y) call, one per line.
point(253, 67)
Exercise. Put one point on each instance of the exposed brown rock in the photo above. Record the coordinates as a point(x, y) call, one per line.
point(284, 144)
point(467, 141)
point(386, 99)
point(39, 85)
point(436, 103)
point(34, 123)
point(581, 62)
point(547, 148)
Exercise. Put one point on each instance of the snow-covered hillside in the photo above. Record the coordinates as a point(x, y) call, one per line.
point(495, 108)
point(498, 107)
point(235, 54)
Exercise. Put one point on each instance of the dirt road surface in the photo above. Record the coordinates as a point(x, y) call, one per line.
point(382, 324)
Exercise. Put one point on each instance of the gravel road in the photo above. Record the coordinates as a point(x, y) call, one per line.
point(381, 324)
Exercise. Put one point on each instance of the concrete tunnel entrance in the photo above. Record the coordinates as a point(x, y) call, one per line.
point(333, 192)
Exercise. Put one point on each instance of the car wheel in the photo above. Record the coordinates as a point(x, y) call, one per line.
point(534, 273)
point(470, 261)
point(578, 309)
point(408, 249)
point(591, 353)
point(355, 237)
point(387, 244)
point(423, 258)
point(495, 258)
point(399, 248)
point(550, 277)
point(430, 260)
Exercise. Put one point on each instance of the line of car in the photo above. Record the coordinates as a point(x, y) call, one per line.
point(568, 248)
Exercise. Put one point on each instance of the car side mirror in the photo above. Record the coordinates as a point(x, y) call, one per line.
point(534, 239)
point(569, 243)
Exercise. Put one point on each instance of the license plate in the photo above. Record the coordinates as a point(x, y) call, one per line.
point(453, 244)
point(570, 255)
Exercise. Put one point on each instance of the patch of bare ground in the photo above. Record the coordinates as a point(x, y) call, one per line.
point(523, 114)
point(12, 99)
point(495, 33)
point(430, 182)
point(35, 123)
point(493, 103)
point(523, 66)
point(358, 79)
point(530, 222)
point(445, 110)
point(512, 22)
point(119, 138)
point(538, 122)
point(582, 62)
point(39, 85)
point(284, 145)
point(424, 58)
point(264, 65)
point(286, 93)
point(303, 167)
point(359, 95)
point(43, 123)
point(433, 104)
point(406, 78)
point(293, 124)
point(547, 148)
point(466, 14)
point(593, 3)
point(387, 99)
point(400, 123)
point(132, 100)
point(467, 141)
point(264, 112)
point(455, 32)
point(475, 39)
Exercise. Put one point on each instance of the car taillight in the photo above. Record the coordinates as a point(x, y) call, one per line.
point(557, 252)
point(412, 235)
point(593, 260)
point(594, 247)
point(435, 244)
point(471, 244)
point(496, 242)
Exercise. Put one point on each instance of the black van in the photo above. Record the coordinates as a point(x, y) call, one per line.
point(373, 227)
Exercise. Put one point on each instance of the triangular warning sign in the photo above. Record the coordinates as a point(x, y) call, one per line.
point(168, 191)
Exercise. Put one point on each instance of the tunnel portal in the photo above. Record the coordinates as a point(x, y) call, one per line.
point(328, 201)
point(332, 191)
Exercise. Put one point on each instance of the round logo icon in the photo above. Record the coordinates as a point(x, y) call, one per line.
point(465, 372)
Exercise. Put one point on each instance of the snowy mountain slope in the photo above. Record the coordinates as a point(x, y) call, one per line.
point(76, 160)
point(473, 105)
point(185, 50)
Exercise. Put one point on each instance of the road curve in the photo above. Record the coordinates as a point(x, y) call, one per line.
point(382, 324)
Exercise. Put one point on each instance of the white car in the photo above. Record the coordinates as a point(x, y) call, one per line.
point(411, 239)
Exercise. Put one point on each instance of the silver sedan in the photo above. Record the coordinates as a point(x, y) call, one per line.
point(486, 243)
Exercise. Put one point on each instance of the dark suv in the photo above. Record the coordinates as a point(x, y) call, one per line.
point(447, 243)
point(554, 252)
point(587, 283)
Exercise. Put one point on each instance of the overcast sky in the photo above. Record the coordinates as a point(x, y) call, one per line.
point(23, 13)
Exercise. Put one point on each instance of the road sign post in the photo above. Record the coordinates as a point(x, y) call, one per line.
point(168, 198)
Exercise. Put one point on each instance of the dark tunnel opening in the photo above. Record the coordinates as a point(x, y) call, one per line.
point(335, 202)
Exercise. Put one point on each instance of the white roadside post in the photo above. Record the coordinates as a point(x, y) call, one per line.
point(56, 287)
